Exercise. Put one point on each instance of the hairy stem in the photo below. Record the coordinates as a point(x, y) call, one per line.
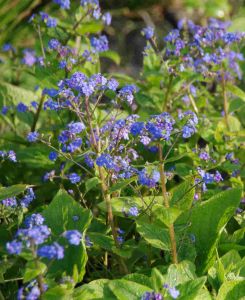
point(225, 101)
point(165, 102)
point(166, 204)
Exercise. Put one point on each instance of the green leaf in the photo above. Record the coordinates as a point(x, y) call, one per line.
point(232, 290)
point(104, 241)
point(11, 191)
point(183, 195)
point(97, 289)
point(139, 278)
point(236, 91)
point(207, 221)
point(190, 289)
point(9, 92)
point(180, 273)
point(125, 290)
point(58, 292)
point(154, 234)
point(120, 185)
point(157, 279)
point(91, 183)
point(33, 269)
point(89, 27)
point(59, 217)
point(166, 215)
point(112, 55)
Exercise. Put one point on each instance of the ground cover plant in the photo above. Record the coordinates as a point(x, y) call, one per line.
point(114, 187)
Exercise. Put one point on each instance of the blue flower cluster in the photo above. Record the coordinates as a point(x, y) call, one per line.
point(152, 296)
point(205, 48)
point(23, 202)
point(64, 4)
point(69, 139)
point(9, 155)
point(31, 291)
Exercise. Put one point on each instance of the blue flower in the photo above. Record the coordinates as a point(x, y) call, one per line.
point(9, 202)
point(32, 136)
point(136, 128)
point(133, 211)
point(112, 84)
point(51, 22)
point(100, 44)
point(53, 155)
point(53, 251)
point(174, 293)
point(105, 160)
point(76, 127)
point(34, 220)
point(204, 156)
point(73, 236)
point(64, 4)
point(21, 107)
point(14, 247)
point(74, 178)
point(12, 156)
point(172, 36)
point(148, 32)
point(106, 18)
point(54, 44)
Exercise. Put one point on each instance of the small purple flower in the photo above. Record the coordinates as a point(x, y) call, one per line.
point(174, 293)
point(73, 236)
point(112, 84)
point(5, 109)
point(105, 160)
point(217, 177)
point(53, 155)
point(51, 22)
point(76, 127)
point(29, 58)
point(64, 4)
point(204, 156)
point(106, 18)
point(34, 220)
point(21, 107)
point(148, 32)
point(54, 251)
point(54, 44)
point(133, 211)
point(100, 44)
point(74, 178)
point(12, 156)
point(32, 136)
point(14, 247)
point(9, 202)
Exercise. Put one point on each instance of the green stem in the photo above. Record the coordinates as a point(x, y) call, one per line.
point(225, 101)
point(166, 204)
point(36, 116)
point(104, 187)
point(165, 102)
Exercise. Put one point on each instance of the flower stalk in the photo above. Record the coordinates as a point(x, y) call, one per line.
point(166, 204)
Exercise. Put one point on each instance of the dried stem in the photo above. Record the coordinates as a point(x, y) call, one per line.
point(166, 204)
